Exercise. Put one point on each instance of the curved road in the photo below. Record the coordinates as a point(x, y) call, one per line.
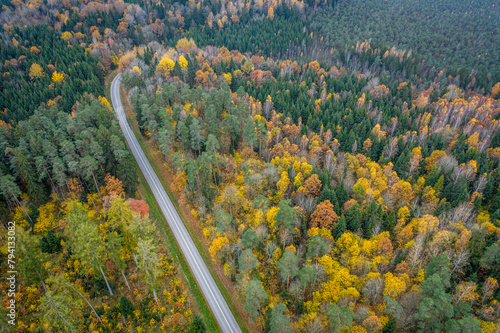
point(207, 284)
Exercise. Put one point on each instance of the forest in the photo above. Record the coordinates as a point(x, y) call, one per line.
point(344, 171)
point(454, 35)
point(89, 256)
point(38, 71)
point(377, 213)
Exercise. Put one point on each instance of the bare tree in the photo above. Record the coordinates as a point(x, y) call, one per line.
point(372, 290)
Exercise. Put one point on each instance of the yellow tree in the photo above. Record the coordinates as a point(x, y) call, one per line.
point(136, 69)
point(298, 180)
point(495, 91)
point(303, 167)
point(247, 67)
point(360, 189)
point(217, 245)
point(368, 143)
point(36, 71)
point(466, 292)
point(282, 186)
point(46, 220)
point(431, 160)
point(183, 62)
point(380, 91)
point(314, 65)
point(270, 13)
point(66, 35)
point(340, 283)
point(57, 77)
point(75, 187)
point(271, 221)
point(104, 102)
point(489, 287)
point(34, 50)
point(165, 66)
point(394, 285)
point(348, 248)
point(185, 44)
point(424, 226)
point(403, 191)
point(227, 77)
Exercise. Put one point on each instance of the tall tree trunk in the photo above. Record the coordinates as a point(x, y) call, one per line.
point(85, 301)
point(126, 281)
point(102, 272)
point(156, 298)
point(215, 181)
point(67, 185)
point(20, 205)
point(97, 187)
point(46, 290)
point(105, 279)
point(52, 302)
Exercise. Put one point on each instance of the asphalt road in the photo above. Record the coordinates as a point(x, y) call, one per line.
point(219, 307)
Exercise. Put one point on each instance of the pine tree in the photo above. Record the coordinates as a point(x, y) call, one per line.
point(288, 266)
point(390, 327)
point(339, 228)
point(389, 222)
point(197, 138)
point(256, 299)
point(197, 325)
point(50, 243)
point(250, 239)
point(126, 307)
point(177, 71)
point(353, 218)
point(316, 247)
point(342, 194)
point(339, 318)
point(279, 322)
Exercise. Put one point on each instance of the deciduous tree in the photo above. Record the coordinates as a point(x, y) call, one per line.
point(313, 185)
point(36, 71)
point(324, 216)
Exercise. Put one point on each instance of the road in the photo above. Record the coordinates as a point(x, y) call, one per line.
point(217, 303)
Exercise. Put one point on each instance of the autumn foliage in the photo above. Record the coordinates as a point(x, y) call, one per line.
point(356, 192)
point(324, 216)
